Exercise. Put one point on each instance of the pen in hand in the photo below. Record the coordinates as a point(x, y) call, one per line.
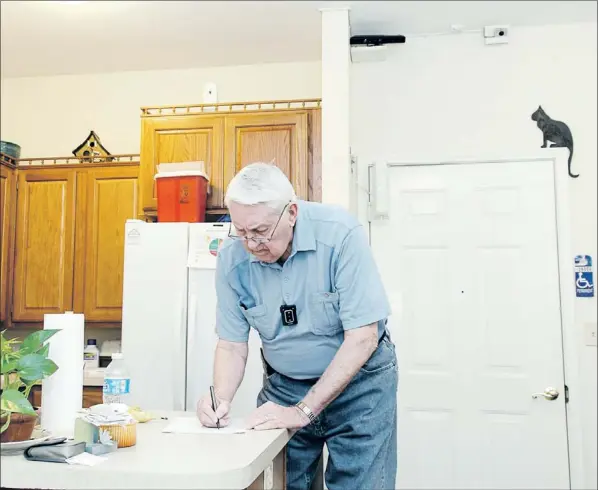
point(214, 404)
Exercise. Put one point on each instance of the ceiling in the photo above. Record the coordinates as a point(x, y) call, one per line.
point(42, 38)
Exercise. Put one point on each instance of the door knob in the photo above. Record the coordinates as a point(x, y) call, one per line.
point(549, 394)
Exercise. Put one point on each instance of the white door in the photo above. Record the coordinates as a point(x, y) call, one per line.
point(470, 265)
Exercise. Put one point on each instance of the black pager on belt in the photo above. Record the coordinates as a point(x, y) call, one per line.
point(288, 314)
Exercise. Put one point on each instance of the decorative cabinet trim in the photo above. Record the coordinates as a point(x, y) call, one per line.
point(231, 107)
point(79, 162)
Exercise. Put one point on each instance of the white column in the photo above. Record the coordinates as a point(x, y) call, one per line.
point(336, 60)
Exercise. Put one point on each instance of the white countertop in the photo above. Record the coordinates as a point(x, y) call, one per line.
point(158, 460)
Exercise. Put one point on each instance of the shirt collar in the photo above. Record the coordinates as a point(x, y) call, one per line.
point(304, 239)
point(303, 234)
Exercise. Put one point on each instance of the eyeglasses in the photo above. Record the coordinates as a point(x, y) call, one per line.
point(257, 238)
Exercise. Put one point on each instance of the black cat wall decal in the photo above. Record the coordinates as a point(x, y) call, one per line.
point(555, 131)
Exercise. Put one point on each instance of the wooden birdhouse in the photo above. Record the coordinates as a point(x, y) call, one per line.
point(92, 150)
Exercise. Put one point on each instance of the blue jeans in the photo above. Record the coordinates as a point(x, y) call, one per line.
point(359, 428)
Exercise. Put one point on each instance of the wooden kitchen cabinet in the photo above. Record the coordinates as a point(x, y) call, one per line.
point(44, 248)
point(278, 138)
point(69, 247)
point(8, 191)
point(173, 139)
point(106, 198)
point(92, 395)
point(228, 140)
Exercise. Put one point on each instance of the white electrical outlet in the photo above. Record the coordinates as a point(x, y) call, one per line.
point(590, 330)
point(210, 93)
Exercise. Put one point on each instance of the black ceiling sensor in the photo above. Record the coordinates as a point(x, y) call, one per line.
point(377, 40)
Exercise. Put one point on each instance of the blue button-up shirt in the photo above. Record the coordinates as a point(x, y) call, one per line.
point(330, 277)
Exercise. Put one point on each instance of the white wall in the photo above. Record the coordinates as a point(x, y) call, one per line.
point(50, 116)
point(452, 95)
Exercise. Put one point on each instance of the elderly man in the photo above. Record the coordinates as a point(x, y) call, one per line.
point(302, 274)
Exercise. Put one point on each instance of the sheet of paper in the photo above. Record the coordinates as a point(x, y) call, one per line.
point(204, 245)
point(86, 459)
point(191, 425)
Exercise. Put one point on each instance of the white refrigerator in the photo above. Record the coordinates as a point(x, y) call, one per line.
point(169, 317)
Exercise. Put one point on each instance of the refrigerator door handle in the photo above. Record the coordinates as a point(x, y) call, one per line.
point(191, 325)
point(180, 358)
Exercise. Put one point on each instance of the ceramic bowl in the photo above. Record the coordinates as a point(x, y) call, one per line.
point(11, 149)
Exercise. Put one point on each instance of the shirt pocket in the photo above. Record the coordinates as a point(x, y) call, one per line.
point(324, 313)
point(257, 317)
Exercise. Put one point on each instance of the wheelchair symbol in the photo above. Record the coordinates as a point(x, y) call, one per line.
point(582, 282)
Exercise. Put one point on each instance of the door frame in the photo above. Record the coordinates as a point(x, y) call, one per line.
point(572, 338)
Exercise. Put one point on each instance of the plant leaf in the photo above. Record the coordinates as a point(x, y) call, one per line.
point(44, 351)
point(8, 347)
point(15, 402)
point(33, 367)
point(35, 340)
point(8, 366)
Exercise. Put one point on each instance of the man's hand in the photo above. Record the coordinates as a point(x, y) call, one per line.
point(209, 417)
point(273, 416)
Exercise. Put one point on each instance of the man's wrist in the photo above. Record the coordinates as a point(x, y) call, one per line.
point(306, 411)
point(302, 414)
point(311, 400)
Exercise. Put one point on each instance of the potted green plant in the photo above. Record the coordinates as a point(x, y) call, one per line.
point(24, 364)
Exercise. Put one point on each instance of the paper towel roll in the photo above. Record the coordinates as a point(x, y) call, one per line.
point(62, 393)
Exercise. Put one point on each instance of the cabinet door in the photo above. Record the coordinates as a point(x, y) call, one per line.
point(111, 199)
point(7, 199)
point(181, 139)
point(277, 137)
point(43, 279)
point(92, 395)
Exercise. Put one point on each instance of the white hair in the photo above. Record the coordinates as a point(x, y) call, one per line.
point(260, 183)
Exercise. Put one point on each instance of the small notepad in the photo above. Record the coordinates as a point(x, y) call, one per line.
point(191, 425)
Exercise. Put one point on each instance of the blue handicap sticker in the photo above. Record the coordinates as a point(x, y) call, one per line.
point(584, 278)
